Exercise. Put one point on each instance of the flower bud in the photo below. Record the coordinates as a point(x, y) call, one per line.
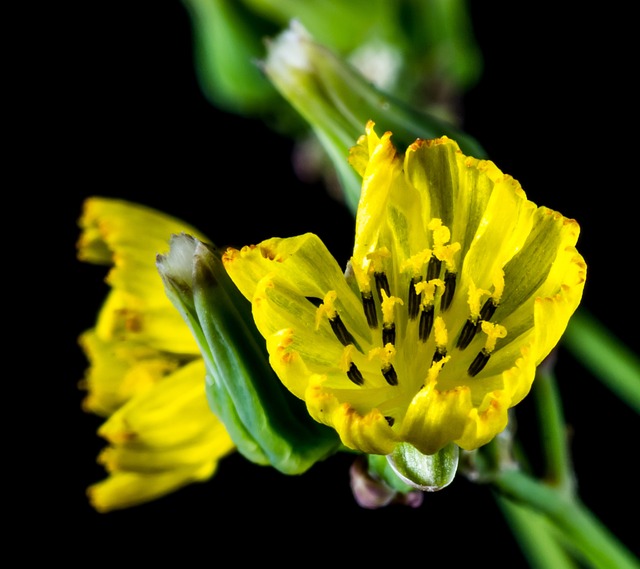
point(267, 423)
point(337, 102)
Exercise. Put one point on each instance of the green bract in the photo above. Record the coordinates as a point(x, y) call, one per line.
point(267, 424)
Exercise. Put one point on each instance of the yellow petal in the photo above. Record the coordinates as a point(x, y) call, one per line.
point(435, 418)
point(125, 489)
point(172, 412)
point(120, 370)
point(129, 237)
point(457, 288)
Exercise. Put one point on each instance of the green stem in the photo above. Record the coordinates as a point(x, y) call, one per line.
point(604, 355)
point(601, 548)
point(535, 536)
point(559, 472)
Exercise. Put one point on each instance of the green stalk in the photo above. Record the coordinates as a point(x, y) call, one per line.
point(605, 356)
point(591, 538)
point(553, 434)
point(535, 536)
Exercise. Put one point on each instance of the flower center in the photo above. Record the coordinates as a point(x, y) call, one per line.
point(423, 330)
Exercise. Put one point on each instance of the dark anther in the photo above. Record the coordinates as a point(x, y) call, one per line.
point(433, 268)
point(390, 374)
point(389, 334)
point(477, 365)
point(469, 330)
point(314, 300)
point(449, 290)
point(382, 283)
point(488, 308)
point(369, 306)
point(414, 299)
point(426, 322)
point(340, 330)
point(438, 355)
point(390, 420)
point(354, 374)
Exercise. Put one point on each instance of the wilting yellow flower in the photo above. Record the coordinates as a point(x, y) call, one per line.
point(146, 373)
point(457, 289)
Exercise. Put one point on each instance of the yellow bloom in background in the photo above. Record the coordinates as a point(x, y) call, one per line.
point(457, 289)
point(146, 374)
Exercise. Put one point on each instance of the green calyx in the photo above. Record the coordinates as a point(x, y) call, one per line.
point(268, 425)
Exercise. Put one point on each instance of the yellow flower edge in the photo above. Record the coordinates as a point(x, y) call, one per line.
point(458, 287)
point(160, 441)
point(127, 237)
point(145, 373)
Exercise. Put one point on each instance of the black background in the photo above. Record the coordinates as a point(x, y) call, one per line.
point(554, 109)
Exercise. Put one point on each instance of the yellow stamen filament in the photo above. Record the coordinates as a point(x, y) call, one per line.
point(445, 253)
point(376, 259)
point(440, 332)
point(388, 304)
point(441, 233)
point(475, 295)
point(498, 285)
point(327, 308)
point(428, 288)
point(362, 277)
point(385, 354)
point(441, 236)
point(416, 262)
point(347, 357)
point(435, 368)
point(493, 332)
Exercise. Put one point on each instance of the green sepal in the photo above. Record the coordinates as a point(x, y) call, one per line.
point(266, 422)
point(427, 472)
point(380, 468)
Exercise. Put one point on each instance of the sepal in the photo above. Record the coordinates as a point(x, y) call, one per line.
point(427, 472)
point(268, 424)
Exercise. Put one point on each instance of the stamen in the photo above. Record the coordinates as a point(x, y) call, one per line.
point(390, 420)
point(472, 325)
point(442, 252)
point(426, 322)
point(382, 284)
point(493, 332)
point(468, 332)
point(328, 309)
point(388, 309)
point(354, 374)
point(434, 370)
point(414, 298)
point(340, 330)
point(390, 374)
point(449, 290)
point(386, 354)
point(441, 337)
point(389, 334)
point(477, 365)
point(438, 355)
point(441, 334)
point(433, 268)
point(488, 309)
point(370, 312)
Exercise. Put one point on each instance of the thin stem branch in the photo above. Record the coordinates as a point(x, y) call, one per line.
point(535, 536)
point(553, 434)
point(604, 355)
point(594, 541)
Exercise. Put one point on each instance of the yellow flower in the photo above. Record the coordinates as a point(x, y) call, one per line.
point(457, 289)
point(146, 373)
